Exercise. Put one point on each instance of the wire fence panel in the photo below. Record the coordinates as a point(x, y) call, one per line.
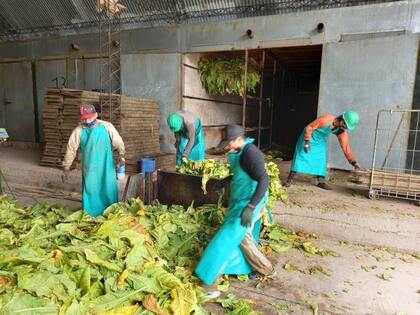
point(396, 158)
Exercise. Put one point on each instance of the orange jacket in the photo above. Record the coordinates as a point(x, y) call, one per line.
point(343, 137)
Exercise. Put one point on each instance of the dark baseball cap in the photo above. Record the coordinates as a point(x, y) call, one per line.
point(230, 133)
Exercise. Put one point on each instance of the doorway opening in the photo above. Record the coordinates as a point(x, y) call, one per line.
point(281, 105)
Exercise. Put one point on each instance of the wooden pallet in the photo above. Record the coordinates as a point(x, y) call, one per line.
point(137, 120)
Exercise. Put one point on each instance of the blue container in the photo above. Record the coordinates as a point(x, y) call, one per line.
point(146, 165)
point(121, 171)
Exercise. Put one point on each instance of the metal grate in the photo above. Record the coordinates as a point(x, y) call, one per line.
point(396, 159)
point(20, 19)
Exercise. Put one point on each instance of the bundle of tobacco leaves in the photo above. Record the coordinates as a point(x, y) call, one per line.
point(214, 169)
point(205, 168)
point(222, 76)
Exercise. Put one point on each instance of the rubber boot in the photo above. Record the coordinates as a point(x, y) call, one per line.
point(322, 184)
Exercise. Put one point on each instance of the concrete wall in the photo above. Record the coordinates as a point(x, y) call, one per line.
point(151, 57)
point(367, 75)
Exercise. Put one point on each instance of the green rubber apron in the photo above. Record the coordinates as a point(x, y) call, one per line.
point(99, 183)
point(223, 254)
point(197, 152)
point(315, 161)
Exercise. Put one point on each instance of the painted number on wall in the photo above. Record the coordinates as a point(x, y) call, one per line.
point(60, 82)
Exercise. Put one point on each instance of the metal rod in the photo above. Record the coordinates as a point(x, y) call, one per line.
point(245, 89)
point(372, 174)
point(393, 140)
point(415, 142)
point(273, 94)
point(210, 100)
point(261, 103)
point(189, 66)
point(258, 98)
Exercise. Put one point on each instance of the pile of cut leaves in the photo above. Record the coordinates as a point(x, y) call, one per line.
point(214, 169)
point(134, 259)
point(227, 76)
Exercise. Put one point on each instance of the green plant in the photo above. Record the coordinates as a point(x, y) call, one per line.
point(227, 76)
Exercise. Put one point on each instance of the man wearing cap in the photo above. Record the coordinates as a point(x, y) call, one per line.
point(311, 149)
point(95, 138)
point(233, 250)
point(189, 136)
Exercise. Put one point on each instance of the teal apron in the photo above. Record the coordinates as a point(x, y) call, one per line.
point(315, 161)
point(99, 183)
point(223, 254)
point(197, 151)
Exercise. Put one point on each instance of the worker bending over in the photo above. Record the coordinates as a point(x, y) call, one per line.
point(233, 250)
point(189, 136)
point(95, 138)
point(311, 149)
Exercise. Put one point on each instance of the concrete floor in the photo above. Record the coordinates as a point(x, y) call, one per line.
point(373, 237)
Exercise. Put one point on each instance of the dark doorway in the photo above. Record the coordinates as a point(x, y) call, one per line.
point(296, 92)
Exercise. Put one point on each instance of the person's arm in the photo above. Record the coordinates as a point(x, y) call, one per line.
point(72, 147)
point(343, 138)
point(320, 122)
point(191, 137)
point(116, 140)
point(252, 162)
point(177, 139)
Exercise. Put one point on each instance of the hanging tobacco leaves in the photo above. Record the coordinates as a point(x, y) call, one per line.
point(226, 76)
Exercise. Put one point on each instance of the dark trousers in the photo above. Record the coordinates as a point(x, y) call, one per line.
point(292, 174)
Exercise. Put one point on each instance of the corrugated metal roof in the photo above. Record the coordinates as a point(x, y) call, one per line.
point(28, 18)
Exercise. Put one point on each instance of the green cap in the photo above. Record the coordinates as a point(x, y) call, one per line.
point(175, 122)
point(351, 119)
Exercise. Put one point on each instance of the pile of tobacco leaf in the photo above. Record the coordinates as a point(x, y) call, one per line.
point(134, 259)
point(214, 169)
point(205, 168)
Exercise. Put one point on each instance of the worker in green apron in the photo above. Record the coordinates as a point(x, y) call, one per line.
point(311, 149)
point(95, 138)
point(233, 250)
point(189, 136)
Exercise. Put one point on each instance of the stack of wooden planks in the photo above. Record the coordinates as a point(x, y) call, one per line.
point(137, 120)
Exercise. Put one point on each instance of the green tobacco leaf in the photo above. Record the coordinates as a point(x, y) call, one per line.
point(27, 304)
point(384, 276)
point(95, 259)
point(281, 306)
point(280, 249)
point(416, 255)
point(318, 269)
point(84, 282)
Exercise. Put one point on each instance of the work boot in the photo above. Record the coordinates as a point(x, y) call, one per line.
point(256, 275)
point(210, 295)
point(288, 183)
point(324, 186)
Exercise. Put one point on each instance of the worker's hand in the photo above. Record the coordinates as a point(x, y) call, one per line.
point(121, 161)
point(357, 166)
point(307, 146)
point(246, 216)
point(184, 160)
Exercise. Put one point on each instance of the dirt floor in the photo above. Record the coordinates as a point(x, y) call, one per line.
point(378, 241)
